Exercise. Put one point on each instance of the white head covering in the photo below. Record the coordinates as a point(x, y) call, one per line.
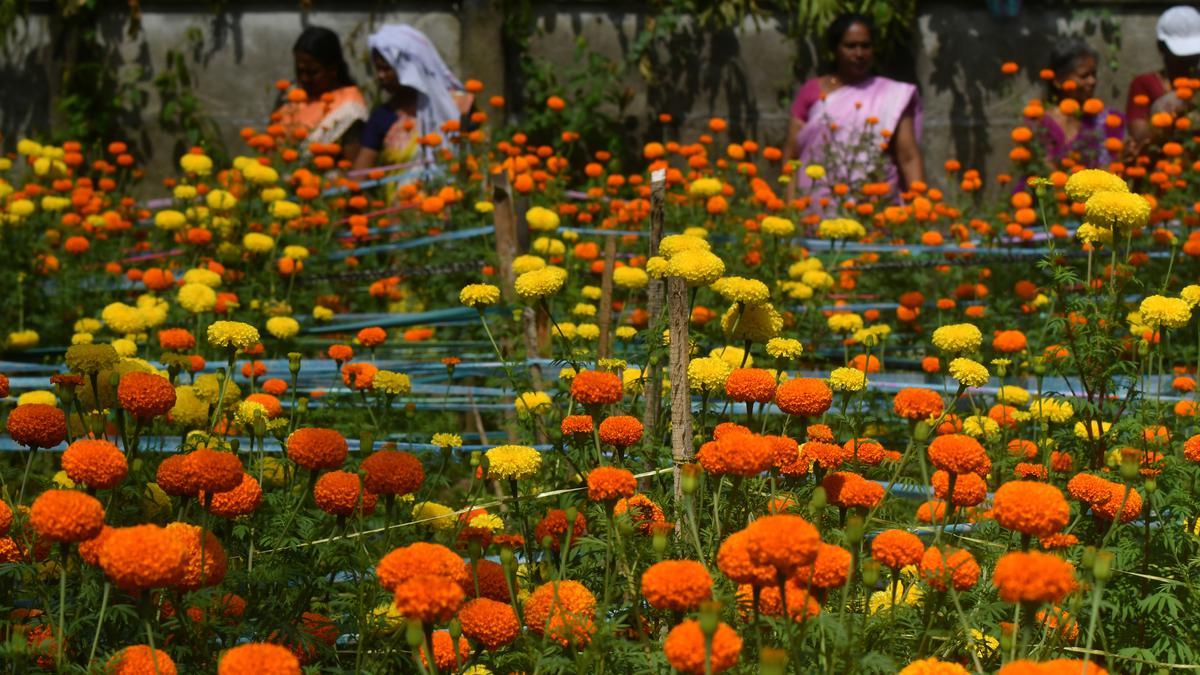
point(418, 65)
point(1179, 29)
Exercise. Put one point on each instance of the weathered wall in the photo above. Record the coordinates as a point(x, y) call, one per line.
point(747, 76)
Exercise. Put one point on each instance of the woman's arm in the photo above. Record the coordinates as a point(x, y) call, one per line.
point(907, 153)
point(365, 158)
point(790, 152)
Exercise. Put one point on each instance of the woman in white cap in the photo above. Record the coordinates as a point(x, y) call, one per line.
point(423, 95)
point(1179, 43)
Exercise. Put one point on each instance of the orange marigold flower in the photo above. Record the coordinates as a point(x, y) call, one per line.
point(563, 610)
point(490, 623)
point(577, 424)
point(431, 598)
point(145, 395)
point(341, 493)
point(1060, 540)
point(37, 425)
point(733, 559)
point(89, 550)
point(608, 483)
point(955, 567)
point(1033, 577)
point(958, 453)
point(1191, 449)
point(444, 656)
point(315, 448)
point(866, 450)
point(969, 488)
point(214, 471)
point(785, 542)
point(6, 517)
point(801, 604)
point(142, 557)
point(685, 648)
point(829, 570)
point(750, 385)
point(140, 660)
point(1089, 488)
point(933, 666)
point(728, 429)
point(554, 525)
point(917, 404)
point(11, 551)
point(1120, 497)
point(1019, 447)
point(818, 432)
point(67, 516)
point(931, 511)
point(176, 339)
point(804, 396)
point(676, 585)
point(259, 659)
point(642, 511)
point(372, 336)
point(359, 376)
point(240, 501)
point(826, 455)
point(784, 450)
point(95, 463)
point(1033, 509)
point(215, 564)
point(1030, 471)
point(175, 476)
point(1009, 341)
point(491, 581)
point(593, 387)
point(419, 558)
point(737, 454)
point(393, 472)
point(1057, 619)
point(897, 548)
point(620, 431)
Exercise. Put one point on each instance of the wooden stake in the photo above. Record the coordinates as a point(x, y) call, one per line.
point(606, 292)
point(652, 373)
point(505, 222)
point(681, 396)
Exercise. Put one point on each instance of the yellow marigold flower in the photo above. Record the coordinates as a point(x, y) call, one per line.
point(841, 228)
point(814, 171)
point(1163, 312)
point(984, 645)
point(1014, 396)
point(674, 244)
point(657, 267)
point(220, 200)
point(283, 327)
point(487, 521)
point(282, 209)
point(1124, 209)
point(322, 313)
point(169, 220)
point(1083, 184)
point(447, 440)
point(708, 374)
point(796, 290)
point(21, 208)
point(392, 383)
point(632, 278)
point(533, 403)
point(1190, 293)
point(847, 379)
point(1096, 427)
point(705, 187)
point(295, 252)
point(548, 246)
point(272, 194)
point(201, 275)
point(247, 411)
point(541, 219)
point(980, 426)
point(153, 310)
point(184, 192)
point(199, 165)
point(257, 242)
point(484, 207)
point(1052, 409)
point(89, 325)
point(41, 396)
point(910, 595)
point(626, 332)
point(259, 174)
point(479, 295)
point(83, 339)
point(588, 331)
point(697, 267)
point(817, 279)
point(565, 330)
point(1090, 234)
point(798, 268)
point(741, 289)
point(778, 227)
point(123, 319)
point(584, 309)
point(784, 348)
point(539, 284)
point(845, 323)
point(873, 335)
point(591, 292)
point(631, 380)
point(969, 373)
point(435, 515)
point(696, 231)
point(190, 411)
point(733, 356)
point(755, 323)
point(513, 462)
point(957, 338)
point(232, 334)
point(125, 348)
point(62, 480)
point(197, 298)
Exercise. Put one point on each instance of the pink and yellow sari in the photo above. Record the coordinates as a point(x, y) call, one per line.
point(326, 121)
point(845, 130)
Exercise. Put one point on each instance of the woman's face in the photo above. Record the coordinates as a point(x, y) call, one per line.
point(855, 53)
point(1080, 83)
point(314, 77)
point(385, 75)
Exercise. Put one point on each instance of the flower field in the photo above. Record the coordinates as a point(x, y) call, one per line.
point(517, 408)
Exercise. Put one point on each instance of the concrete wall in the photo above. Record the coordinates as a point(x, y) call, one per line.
point(747, 76)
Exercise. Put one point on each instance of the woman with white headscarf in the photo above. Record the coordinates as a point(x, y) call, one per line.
point(423, 96)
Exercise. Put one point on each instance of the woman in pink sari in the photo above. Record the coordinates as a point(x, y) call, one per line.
point(857, 126)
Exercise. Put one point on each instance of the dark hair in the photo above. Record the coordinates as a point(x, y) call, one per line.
point(1067, 55)
point(323, 45)
point(841, 24)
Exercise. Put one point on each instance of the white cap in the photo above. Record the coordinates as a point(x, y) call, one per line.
point(1179, 29)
